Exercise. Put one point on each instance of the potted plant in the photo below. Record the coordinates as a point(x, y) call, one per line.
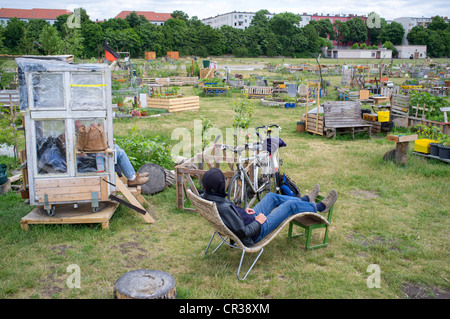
point(444, 147)
point(428, 139)
point(144, 112)
point(118, 99)
point(289, 101)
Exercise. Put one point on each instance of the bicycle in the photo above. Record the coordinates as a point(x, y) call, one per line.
point(242, 190)
point(271, 166)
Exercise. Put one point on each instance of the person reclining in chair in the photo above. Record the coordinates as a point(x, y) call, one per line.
point(252, 225)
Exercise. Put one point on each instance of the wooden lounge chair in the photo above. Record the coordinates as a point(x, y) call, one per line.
point(208, 210)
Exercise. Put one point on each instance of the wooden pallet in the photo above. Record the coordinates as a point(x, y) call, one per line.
point(431, 156)
point(67, 214)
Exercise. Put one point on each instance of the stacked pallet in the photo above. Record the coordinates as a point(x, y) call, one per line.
point(314, 123)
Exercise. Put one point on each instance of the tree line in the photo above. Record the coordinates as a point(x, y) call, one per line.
point(278, 36)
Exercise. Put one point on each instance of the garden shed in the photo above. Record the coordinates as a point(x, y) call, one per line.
point(59, 99)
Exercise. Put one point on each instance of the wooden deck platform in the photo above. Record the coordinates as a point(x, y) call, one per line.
point(67, 214)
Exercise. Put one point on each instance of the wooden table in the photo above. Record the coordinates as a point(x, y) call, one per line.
point(400, 153)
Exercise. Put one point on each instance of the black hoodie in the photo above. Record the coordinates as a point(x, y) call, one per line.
point(214, 183)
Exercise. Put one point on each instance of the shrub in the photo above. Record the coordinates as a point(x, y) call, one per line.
point(432, 103)
point(142, 149)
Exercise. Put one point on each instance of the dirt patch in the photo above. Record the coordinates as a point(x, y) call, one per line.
point(365, 194)
point(128, 247)
point(423, 292)
point(52, 285)
point(373, 242)
point(60, 249)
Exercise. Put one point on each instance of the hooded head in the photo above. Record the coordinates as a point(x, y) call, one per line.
point(214, 182)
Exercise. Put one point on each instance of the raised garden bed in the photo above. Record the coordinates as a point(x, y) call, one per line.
point(190, 103)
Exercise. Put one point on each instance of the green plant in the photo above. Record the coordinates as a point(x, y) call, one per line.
point(444, 139)
point(243, 113)
point(432, 133)
point(143, 148)
point(206, 124)
point(10, 135)
point(118, 99)
point(429, 132)
point(432, 104)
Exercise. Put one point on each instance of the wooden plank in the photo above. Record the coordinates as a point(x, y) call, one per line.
point(67, 190)
point(402, 138)
point(67, 182)
point(68, 197)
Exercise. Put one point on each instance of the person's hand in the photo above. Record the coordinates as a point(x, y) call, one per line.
point(261, 218)
point(250, 211)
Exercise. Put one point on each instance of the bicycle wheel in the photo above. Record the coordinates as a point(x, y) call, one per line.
point(235, 191)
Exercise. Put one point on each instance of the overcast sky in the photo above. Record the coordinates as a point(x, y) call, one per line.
point(388, 9)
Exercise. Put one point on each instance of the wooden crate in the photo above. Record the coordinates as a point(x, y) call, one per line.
point(206, 73)
point(190, 103)
point(173, 55)
point(150, 55)
point(72, 189)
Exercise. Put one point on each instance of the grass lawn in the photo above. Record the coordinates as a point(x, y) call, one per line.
point(386, 215)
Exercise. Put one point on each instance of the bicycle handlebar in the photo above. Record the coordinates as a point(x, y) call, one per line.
point(216, 139)
point(268, 126)
point(268, 129)
point(239, 149)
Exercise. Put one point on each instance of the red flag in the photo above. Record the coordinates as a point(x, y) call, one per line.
point(110, 54)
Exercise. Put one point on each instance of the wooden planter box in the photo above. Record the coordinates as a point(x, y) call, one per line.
point(190, 103)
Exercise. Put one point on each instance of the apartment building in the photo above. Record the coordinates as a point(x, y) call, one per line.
point(48, 15)
point(336, 17)
point(242, 20)
point(410, 22)
point(153, 17)
point(235, 19)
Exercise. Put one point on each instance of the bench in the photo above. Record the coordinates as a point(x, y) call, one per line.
point(344, 116)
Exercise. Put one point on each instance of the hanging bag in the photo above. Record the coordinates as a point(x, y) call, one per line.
point(92, 139)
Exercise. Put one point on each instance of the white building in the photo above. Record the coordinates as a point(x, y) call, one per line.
point(380, 53)
point(411, 51)
point(409, 22)
point(238, 20)
point(242, 20)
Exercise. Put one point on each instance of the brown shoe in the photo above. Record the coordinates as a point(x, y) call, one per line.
point(144, 174)
point(313, 194)
point(139, 180)
point(329, 201)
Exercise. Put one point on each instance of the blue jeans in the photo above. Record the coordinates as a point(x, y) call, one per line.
point(279, 207)
point(124, 163)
